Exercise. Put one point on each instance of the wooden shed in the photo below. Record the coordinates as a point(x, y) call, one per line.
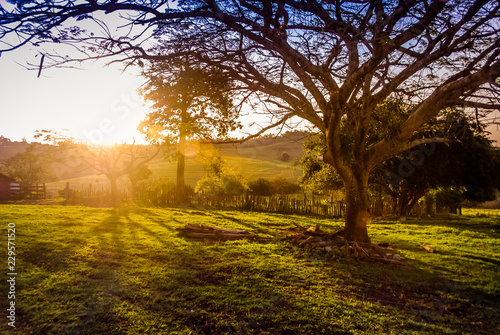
point(5, 186)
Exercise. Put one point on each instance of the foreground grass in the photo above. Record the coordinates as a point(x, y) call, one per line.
point(104, 271)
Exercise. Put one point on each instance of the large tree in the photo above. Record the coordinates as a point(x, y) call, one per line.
point(329, 62)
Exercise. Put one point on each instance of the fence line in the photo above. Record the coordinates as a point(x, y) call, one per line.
point(89, 194)
point(27, 191)
point(276, 204)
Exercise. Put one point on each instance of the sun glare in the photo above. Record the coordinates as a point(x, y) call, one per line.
point(97, 105)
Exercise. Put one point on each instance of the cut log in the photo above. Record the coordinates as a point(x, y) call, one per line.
point(217, 236)
point(193, 226)
point(309, 239)
point(204, 232)
point(230, 231)
point(333, 246)
point(427, 248)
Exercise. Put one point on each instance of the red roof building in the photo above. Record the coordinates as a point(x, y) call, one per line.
point(5, 185)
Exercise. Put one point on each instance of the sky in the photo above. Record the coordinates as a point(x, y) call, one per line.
point(98, 104)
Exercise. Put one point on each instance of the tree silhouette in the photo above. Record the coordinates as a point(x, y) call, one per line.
point(467, 161)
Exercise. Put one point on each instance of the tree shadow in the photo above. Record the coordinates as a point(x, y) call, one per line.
point(456, 222)
point(262, 228)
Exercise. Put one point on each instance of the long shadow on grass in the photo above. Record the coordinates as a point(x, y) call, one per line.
point(158, 219)
point(259, 227)
point(198, 291)
point(479, 225)
point(118, 287)
point(430, 300)
point(70, 292)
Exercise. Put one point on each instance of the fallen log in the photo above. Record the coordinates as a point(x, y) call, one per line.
point(307, 240)
point(229, 231)
point(204, 232)
point(214, 236)
point(198, 227)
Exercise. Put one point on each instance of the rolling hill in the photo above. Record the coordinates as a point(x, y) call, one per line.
point(260, 157)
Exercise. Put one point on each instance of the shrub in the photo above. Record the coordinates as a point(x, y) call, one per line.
point(222, 184)
point(285, 156)
point(261, 186)
point(281, 185)
point(276, 185)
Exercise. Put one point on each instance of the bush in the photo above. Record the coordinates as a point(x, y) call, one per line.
point(222, 184)
point(285, 156)
point(276, 185)
point(281, 185)
point(261, 186)
point(159, 190)
point(449, 198)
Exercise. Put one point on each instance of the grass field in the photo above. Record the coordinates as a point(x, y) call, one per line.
point(126, 271)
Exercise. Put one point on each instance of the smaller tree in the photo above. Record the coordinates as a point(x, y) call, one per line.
point(224, 184)
point(28, 166)
point(465, 167)
point(317, 176)
point(275, 185)
point(219, 180)
point(449, 198)
point(189, 103)
point(281, 185)
point(112, 161)
point(285, 156)
point(260, 186)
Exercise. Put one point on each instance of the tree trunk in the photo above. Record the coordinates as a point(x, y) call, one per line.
point(181, 156)
point(357, 208)
point(407, 200)
point(181, 163)
point(115, 194)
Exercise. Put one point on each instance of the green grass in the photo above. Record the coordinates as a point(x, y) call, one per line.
point(103, 271)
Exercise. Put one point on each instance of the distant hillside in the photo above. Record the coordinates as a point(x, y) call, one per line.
point(259, 157)
point(267, 148)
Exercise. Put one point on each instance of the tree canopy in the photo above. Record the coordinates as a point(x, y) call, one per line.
point(189, 102)
point(467, 162)
point(330, 63)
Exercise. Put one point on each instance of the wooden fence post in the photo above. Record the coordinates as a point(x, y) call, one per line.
point(66, 193)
